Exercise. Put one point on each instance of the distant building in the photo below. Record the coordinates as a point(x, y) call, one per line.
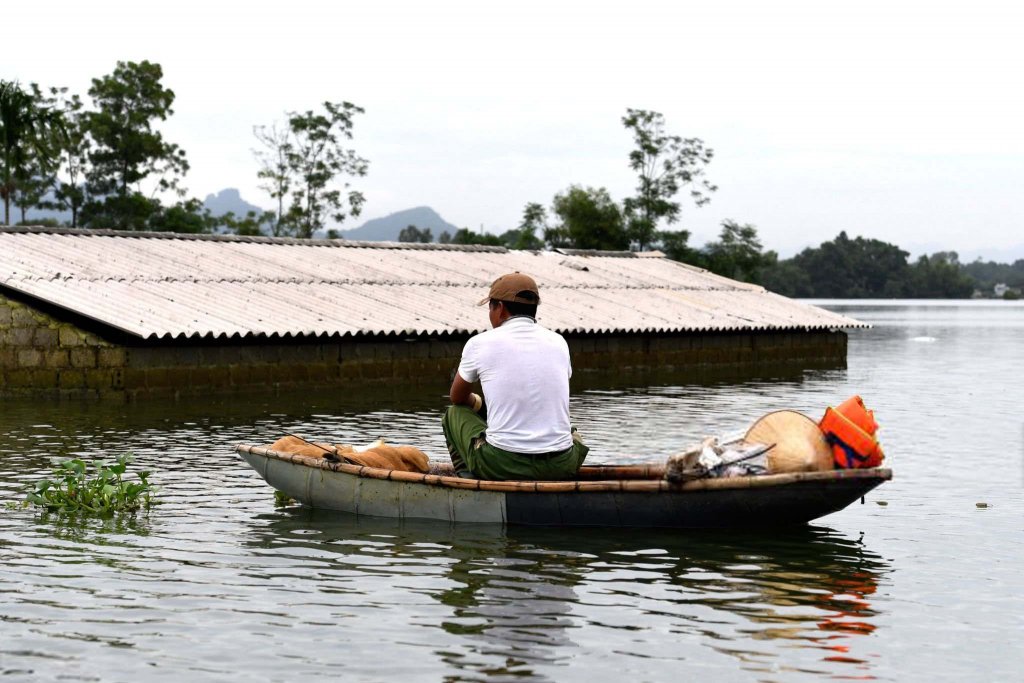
point(123, 314)
point(1000, 290)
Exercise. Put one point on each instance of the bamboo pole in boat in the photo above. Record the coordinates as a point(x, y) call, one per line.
point(618, 477)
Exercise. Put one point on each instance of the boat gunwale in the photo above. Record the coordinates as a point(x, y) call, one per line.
point(575, 485)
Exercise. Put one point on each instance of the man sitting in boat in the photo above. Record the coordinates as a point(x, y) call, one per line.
point(523, 369)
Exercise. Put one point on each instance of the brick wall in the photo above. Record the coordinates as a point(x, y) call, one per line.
point(41, 355)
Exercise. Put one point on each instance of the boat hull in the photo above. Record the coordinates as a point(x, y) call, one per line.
point(772, 500)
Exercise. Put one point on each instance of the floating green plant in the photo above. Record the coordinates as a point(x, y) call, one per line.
point(105, 492)
point(282, 499)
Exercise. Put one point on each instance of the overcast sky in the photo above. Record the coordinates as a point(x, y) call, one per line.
point(896, 120)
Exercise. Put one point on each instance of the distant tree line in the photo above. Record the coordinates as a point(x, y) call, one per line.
point(110, 167)
point(862, 268)
point(987, 274)
point(857, 268)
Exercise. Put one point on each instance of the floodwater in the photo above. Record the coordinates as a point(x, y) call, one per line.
point(923, 582)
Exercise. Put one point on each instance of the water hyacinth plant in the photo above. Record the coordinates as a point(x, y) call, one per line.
point(103, 493)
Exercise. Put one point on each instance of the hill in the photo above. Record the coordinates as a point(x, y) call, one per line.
point(229, 199)
point(388, 227)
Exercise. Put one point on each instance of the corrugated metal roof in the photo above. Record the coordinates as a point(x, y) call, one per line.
point(157, 285)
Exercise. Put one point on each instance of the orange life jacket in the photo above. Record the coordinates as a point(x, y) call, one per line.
point(850, 429)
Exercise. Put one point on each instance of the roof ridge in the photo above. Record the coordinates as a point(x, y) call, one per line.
point(252, 239)
point(314, 279)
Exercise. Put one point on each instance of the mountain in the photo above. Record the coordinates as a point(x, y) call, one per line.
point(229, 199)
point(388, 227)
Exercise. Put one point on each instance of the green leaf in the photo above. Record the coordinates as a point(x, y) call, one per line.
point(103, 493)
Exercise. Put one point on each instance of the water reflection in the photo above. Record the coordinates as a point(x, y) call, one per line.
point(517, 601)
point(117, 529)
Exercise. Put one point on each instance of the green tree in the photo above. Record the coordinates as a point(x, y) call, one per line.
point(127, 150)
point(28, 134)
point(131, 212)
point(317, 158)
point(525, 236)
point(664, 164)
point(940, 276)
point(188, 216)
point(590, 219)
point(38, 175)
point(861, 268)
point(69, 192)
point(738, 253)
point(33, 182)
point(467, 236)
point(675, 245)
point(251, 223)
point(987, 274)
point(786, 277)
point(845, 268)
point(275, 172)
point(445, 238)
point(516, 238)
point(411, 233)
point(558, 237)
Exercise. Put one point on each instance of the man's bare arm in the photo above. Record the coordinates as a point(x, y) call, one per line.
point(461, 393)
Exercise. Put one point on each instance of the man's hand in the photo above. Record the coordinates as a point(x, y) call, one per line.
point(462, 394)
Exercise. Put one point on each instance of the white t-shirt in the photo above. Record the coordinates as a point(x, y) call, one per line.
point(524, 371)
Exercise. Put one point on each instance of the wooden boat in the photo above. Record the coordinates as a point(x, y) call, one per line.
point(613, 496)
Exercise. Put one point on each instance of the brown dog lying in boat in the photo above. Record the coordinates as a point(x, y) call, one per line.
point(377, 454)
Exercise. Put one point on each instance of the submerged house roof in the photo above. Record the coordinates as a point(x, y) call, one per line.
point(161, 285)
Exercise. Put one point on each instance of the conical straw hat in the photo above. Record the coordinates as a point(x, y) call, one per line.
point(800, 446)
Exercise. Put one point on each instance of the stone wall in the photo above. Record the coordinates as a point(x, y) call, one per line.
point(710, 349)
point(42, 355)
point(188, 368)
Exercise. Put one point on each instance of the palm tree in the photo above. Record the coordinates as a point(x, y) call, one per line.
point(25, 128)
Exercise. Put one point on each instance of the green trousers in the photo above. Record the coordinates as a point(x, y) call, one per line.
point(474, 458)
